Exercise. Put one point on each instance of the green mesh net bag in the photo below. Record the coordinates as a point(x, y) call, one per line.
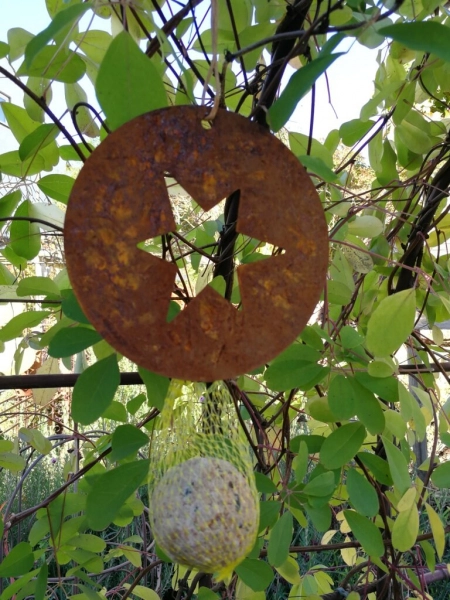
point(204, 508)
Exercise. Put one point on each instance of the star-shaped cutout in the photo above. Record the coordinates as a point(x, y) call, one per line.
point(193, 249)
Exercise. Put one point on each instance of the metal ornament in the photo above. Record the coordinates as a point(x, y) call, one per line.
point(120, 199)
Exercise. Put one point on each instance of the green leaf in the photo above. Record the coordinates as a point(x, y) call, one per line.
point(341, 399)
point(322, 485)
point(342, 445)
point(406, 528)
point(441, 476)
point(36, 439)
point(313, 442)
point(19, 561)
point(300, 462)
point(26, 320)
point(41, 583)
point(124, 68)
point(87, 541)
point(11, 461)
point(72, 309)
point(280, 540)
point(4, 49)
point(352, 131)
point(368, 409)
point(37, 140)
point(157, 387)
point(25, 236)
point(204, 593)
point(94, 390)
point(366, 533)
point(37, 286)
point(116, 411)
point(10, 164)
point(126, 440)
point(365, 226)
point(135, 403)
point(94, 43)
point(268, 513)
point(385, 387)
point(290, 570)
point(55, 62)
point(68, 152)
point(289, 374)
point(63, 19)
point(75, 95)
point(318, 167)
point(362, 494)
point(57, 187)
point(110, 491)
point(9, 202)
point(264, 484)
point(320, 516)
point(71, 340)
point(18, 586)
point(257, 574)
point(298, 86)
point(378, 467)
point(398, 467)
point(18, 121)
point(147, 594)
point(391, 323)
point(425, 36)
point(18, 39)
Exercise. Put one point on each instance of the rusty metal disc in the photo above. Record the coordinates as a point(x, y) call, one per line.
point(120, 199)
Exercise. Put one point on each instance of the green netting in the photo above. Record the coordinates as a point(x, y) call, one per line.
point(204, 508)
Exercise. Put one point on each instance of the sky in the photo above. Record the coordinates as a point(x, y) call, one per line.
point(350, 77)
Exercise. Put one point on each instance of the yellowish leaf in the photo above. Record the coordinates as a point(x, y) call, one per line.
point(44, 395)
point(143, 592)
point(290, 570)
point(437, 529)
point(328, 536)
point(407, 500)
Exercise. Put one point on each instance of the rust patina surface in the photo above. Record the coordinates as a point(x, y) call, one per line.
point(120, 199)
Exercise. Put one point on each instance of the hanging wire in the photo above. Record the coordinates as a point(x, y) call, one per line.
point(214, 67)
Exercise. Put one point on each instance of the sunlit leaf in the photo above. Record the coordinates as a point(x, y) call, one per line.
point(37, 140)
point(298, 86)
point(124, 68)
point(63, 19)
point(437, 528)
point(25, 235)
point(425, 36)
point(54, 62)
point(391, 323)
point(17, 324)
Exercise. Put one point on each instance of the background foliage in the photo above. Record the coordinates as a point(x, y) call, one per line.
point(349, 426)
